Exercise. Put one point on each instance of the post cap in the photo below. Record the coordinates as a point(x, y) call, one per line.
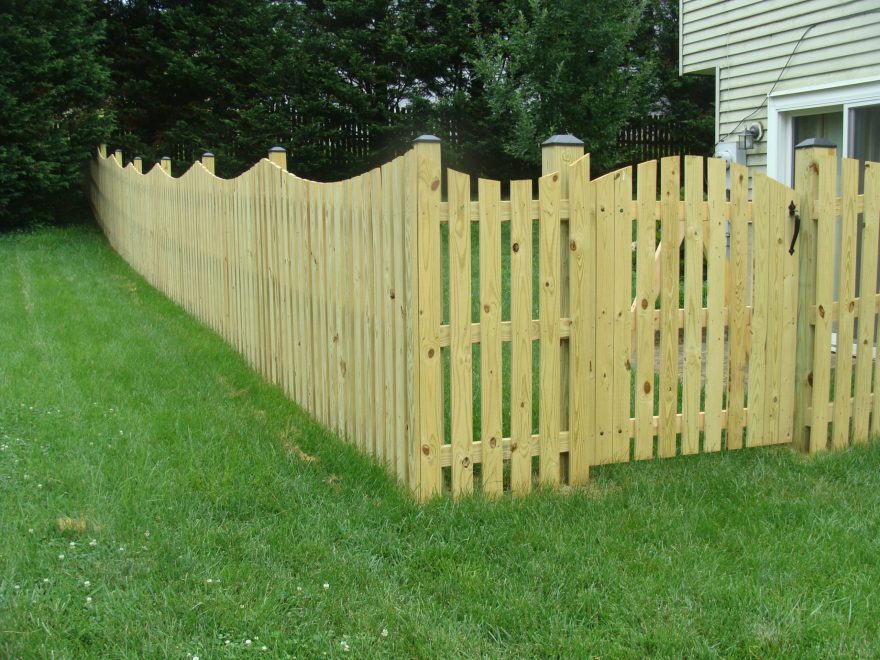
point(276, 150)
point(165, 158)
point(207, 154)
point(567, 140)
point(809, 143)
point(427, 138)
point(137, 158)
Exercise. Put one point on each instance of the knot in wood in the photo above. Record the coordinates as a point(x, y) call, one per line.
point(821, 311)
point(392, 294)
point(493, 442)
point(426, 450)
point(435, 184)
point(556, 177)
point(647, 387)
point(430, 352)
point(573, 246)
point(465, 462)
point(486, 308)
point(515, 247)
point(644, 303)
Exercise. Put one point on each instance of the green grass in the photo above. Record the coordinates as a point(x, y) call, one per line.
point(206, 522)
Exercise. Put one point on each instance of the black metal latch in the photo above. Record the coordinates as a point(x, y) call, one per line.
point(797, 226)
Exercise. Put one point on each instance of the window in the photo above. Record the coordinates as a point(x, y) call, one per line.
point(848, 115)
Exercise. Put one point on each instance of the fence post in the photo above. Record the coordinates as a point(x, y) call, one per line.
point(428, 396)
point(208, 161)
point(118, 155)
point(138, 164)
point(806, 182)
point(278, 155)
point(557, 153)
point(165, 164)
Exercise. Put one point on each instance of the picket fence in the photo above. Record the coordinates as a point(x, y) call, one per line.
point(404, 318)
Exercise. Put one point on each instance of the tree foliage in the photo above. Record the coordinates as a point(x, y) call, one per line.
point(53, 87)
point(323, 77)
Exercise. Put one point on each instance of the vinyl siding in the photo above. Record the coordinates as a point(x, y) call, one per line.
point(749, 43)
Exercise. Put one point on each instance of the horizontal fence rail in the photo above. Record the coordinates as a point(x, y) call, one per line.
point(474, 343)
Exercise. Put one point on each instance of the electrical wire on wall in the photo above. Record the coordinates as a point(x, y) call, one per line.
point(767, 96)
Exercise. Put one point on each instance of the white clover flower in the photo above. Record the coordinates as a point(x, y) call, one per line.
point(88, 599)
point(93, 542)
point(30, 530)
point(17, 587)
point(72, 544)
point(209, 581)
point(60, 556)
point(39, 485)
point(195, 657)
point(247, 642)
point(326, 585)
point(46, 580)
point(87, 584)
point(147, 534)
point(227, 642)
point(384, 632)
point(344, 645)
point(264, 648)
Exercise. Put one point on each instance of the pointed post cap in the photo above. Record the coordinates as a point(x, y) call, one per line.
point(427, 138)
point(567, 140)
point(809, 143)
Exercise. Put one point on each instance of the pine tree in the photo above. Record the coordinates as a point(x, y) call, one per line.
point(53, 89)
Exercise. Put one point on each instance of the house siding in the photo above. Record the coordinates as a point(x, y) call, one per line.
point(749, 43)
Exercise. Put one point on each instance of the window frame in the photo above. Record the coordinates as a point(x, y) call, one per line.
point(784, 106)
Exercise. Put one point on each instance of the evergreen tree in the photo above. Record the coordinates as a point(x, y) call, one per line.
point(52, 103)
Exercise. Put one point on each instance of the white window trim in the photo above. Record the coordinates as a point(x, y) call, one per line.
point(783, 106)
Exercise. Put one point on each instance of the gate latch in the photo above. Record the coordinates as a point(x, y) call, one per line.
point(797, 225)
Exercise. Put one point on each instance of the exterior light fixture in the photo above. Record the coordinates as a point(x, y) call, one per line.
point(750, 136)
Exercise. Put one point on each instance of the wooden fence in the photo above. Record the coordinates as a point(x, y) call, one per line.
point(474, 343)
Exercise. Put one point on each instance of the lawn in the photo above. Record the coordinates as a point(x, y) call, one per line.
point(157, 499)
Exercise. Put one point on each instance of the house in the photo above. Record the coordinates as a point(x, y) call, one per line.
point(787, 70)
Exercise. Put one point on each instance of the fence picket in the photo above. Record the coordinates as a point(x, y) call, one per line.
point(669, 264)
point(490, 336)
point(460, 331)
point(716, 303)
point(825, 244)
point(605, 256)
point(846, 303)
point(737, 312)
point(549, 308)
point(788, 333)
point(645, 302)
point(758, 340)
point(867, 312)
point(622, 310)
point(521, 332)
point(582, 276)
point(693, 303)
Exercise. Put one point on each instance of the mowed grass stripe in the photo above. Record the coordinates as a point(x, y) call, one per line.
point(219, 510)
